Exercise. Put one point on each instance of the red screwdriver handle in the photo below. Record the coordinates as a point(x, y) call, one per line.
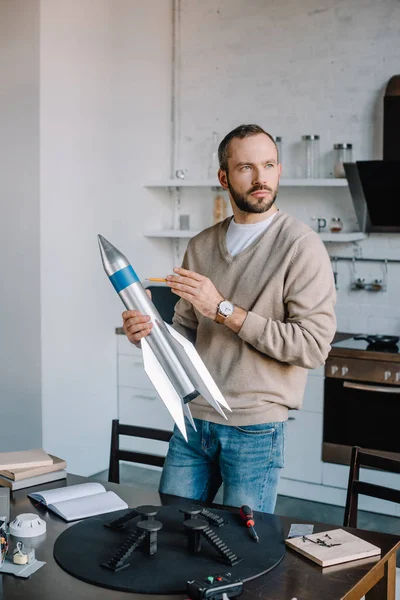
point(247, 515)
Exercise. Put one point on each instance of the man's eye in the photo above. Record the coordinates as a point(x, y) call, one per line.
point(245, 167)
point(270, 165)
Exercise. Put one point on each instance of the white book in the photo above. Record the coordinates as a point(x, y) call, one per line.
point(80, 501)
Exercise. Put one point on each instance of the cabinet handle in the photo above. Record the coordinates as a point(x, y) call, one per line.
point(291, 418)
point(371, 388)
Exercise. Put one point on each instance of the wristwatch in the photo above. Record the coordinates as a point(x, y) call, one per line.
point(224, 310)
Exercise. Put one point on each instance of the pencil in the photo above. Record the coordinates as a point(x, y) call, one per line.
point(160, 279)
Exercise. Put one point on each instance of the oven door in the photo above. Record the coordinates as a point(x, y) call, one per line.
point(360, 414)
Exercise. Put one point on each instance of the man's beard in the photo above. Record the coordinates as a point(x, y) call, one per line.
point(262, 205)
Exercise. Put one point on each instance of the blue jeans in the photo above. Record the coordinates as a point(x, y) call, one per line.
point(248, 460)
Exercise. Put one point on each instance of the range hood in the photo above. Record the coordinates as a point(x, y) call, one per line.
point(375, 184)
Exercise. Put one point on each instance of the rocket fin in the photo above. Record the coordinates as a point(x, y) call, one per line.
point(204, 383)
point(188, 414)
point(164, 387)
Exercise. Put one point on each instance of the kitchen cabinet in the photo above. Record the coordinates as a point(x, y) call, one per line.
point(303, 447)
point(314, 392)
point(138, 401)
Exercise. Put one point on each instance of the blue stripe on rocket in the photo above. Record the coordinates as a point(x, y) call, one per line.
point(123, 278)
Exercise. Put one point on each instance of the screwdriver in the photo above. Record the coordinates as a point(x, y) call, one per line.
point(247, 516)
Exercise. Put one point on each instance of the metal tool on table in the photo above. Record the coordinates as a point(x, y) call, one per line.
point(247, 515)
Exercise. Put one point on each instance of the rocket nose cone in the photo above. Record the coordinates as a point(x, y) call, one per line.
point(101, 239)
point(103, 243)
point(113, 260)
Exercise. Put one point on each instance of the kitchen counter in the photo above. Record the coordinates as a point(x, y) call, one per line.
point(340, 336)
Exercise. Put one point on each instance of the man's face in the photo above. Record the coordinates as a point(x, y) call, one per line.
point(253, 173)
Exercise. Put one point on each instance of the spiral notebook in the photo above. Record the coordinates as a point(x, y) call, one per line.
point(335, 547)
point(79, 501)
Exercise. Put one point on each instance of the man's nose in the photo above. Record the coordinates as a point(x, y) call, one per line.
point(259, 176)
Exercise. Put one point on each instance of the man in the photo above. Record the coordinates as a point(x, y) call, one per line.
point(256, 297)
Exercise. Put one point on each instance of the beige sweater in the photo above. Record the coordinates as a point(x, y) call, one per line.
point(284, 280)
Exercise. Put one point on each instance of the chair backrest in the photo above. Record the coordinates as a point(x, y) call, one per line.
point(361, 458)
point(164, 300)
point(117, 454)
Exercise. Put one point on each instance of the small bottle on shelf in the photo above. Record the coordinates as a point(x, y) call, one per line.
point(219, 212)
point(336, 225)
point(343, 153)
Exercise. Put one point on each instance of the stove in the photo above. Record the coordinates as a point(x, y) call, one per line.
point(371, 343)
point(362, 397)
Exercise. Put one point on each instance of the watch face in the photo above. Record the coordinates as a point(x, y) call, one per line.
point(225, 308)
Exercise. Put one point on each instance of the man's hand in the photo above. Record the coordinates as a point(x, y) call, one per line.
point(136, 324)
point(197, 289)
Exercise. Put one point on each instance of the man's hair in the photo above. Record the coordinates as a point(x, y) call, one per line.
point(240, 133)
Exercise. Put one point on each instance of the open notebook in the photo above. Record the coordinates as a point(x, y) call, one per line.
point(79, 501)
point(341, 546)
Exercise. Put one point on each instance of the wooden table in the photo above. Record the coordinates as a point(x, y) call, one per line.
point(295, 576)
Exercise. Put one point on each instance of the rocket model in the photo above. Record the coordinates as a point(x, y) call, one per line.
point(170, 360)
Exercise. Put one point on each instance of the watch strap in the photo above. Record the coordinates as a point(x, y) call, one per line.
point(219, 318)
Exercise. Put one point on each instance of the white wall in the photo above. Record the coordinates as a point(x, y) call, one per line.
point(295, 68)
point(105, 126)
point(20, 358)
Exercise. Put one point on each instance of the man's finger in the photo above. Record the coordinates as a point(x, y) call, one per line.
point(137, 325)
point(184, 287)
point(182, 280)
point(186, 273)
point(129, 314)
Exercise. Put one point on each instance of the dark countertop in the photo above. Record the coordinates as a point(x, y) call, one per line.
point(340, 336)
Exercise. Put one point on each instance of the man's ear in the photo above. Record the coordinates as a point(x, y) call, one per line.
point(223, 178)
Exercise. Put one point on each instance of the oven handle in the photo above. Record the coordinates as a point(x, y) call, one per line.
point(371, 388)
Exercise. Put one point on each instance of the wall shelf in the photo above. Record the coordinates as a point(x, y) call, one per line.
point(354, 236)
point(210, 183)
point(325, 237)
point(171, 233)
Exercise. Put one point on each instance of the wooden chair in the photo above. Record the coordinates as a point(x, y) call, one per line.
point(361, 458)
point(117, 454)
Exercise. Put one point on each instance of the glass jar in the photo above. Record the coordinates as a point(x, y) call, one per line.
point(311, 157)
point(343, 153)
point(335, 225)
point(279, 146)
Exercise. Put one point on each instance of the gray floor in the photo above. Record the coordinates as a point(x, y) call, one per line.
point(142, 477)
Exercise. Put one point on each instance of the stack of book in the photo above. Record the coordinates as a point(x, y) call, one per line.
point(30, 467)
